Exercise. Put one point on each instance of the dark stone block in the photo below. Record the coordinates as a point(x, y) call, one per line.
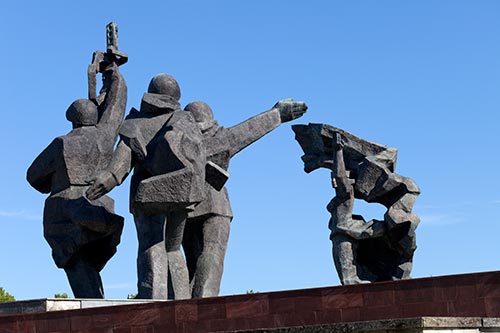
point(61, 325)
point(415, 294)
point(350, 314)
point(379, 298)
point(488, 286)
point(281, 305)
point(213, 309)
point(492, 306)
point(186, 312)
point(381, 312)
point(328, 316)
point(246, 309)
point(81, 322)
point(430, 308)
point(340, 299)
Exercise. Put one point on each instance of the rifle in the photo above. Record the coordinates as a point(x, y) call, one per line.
point(340, 179)
point(101, 60)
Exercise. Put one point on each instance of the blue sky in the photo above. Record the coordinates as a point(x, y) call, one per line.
point(421, 76)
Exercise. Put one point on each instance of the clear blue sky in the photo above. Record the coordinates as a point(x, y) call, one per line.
point(421, 76)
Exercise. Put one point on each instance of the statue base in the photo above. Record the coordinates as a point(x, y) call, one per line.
point(466, 303)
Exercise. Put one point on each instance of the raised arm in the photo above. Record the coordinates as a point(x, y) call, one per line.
point(112, 110)
point(340, 180)
point(251, 130)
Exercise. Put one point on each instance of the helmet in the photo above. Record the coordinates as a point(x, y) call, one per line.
point(164, 84)
point(82, 112)
point(200, 111)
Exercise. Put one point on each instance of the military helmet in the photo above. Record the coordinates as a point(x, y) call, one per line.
point(82, 112)
point(164, 84)
point(200, 111)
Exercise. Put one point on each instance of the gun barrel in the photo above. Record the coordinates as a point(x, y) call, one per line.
point(112, 36)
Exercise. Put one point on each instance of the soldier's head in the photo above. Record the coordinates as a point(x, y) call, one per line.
point(163, 95)
point(201, 111)
point(82, 112)
point(164, 84)
point(202, 114)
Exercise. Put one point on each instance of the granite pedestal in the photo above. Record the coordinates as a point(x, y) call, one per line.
point(469, 303)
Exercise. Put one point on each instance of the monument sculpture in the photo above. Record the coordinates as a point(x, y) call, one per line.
point(363, 251)
point(175, 168)
point(83, 234)
point(207, 229)
point(164, 146)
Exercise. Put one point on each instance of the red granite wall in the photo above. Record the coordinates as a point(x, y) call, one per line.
point(468, 295)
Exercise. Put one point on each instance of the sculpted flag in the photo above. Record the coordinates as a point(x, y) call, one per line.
point(380, 249)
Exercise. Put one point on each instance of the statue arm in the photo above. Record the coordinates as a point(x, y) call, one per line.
point(113, 108)
point(249, 131)
point(341, 206)
point(340, 181)
point(122, 162)
point(118, 169)
point(40, 172)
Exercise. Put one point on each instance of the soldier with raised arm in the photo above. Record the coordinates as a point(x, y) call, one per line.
point(207, 229)
point(347, 229)
point(82, 233)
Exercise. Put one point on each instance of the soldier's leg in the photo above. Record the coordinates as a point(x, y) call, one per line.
point(192, 244)
point(152, 263)
point(210, 263)
point(344, 256)
point(178, 282)
point(84, 279)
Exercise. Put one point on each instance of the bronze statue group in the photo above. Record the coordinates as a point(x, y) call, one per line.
point(179, 158)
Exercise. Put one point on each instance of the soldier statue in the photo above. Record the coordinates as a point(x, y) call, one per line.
point(83, 233)
point(207, 229)
point(164, 146)
point(364, 251)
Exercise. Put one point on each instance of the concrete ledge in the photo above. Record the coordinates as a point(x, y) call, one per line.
point(61, 304)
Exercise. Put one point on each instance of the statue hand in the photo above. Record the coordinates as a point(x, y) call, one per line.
point(108, 66)
point(290, 110)
point(102, 183)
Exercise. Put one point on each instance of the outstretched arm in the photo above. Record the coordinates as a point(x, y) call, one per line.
point(251, 130)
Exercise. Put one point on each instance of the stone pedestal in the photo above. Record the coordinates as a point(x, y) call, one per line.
point(467, 303)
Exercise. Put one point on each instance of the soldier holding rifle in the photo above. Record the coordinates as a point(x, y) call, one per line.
point(83, 233)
